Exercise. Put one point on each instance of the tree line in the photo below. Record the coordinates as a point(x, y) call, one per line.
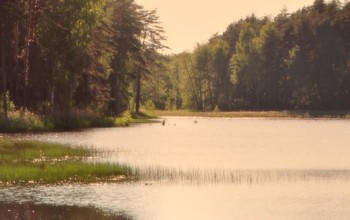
point(59, 55)
point(297, 60)
point(104, 55)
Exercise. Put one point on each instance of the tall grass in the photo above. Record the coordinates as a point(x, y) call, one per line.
point(25, 151)
point(18, 121)
point(60, 172)
point(37, 162)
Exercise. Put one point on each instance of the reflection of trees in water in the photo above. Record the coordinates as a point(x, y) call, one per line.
point(29, 211)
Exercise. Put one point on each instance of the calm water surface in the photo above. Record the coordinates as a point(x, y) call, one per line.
point(201, 168)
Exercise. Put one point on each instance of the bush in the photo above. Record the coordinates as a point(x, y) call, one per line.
point(23, 121)
point(124, 120)
point(78, 119)
point(10, 104)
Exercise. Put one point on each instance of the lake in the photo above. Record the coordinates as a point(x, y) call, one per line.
point(212, 168)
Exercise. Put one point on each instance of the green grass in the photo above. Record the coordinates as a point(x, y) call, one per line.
point(260, 114)
point(24, 151)
point(24, 162)
point(59, 173)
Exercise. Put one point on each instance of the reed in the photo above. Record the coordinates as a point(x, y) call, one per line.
point(23, 162)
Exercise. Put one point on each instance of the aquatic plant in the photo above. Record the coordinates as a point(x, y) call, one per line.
point(23, 162)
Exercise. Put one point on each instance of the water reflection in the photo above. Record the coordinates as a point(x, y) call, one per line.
point(212, 169)
point(29, 210)
point(288, 200)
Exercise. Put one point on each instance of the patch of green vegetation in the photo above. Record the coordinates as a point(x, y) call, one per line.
point(19, 121)
point(27, 151)
point(24, 162)
point(24, 121)
point(78, 120)
point(60, 172)
point(124, 120)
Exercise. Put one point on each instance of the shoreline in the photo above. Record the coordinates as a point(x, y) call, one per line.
point(260, 114)
point(27, 122)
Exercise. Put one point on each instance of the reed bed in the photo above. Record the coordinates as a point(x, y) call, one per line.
point(31, 162)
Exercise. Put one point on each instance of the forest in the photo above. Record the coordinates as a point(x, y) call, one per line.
point(297, 61)
point(107, 57)
point(57, 56)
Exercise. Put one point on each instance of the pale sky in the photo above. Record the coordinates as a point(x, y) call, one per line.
point(188, 22)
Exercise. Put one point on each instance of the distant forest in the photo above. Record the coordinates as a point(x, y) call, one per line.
point(105, 56)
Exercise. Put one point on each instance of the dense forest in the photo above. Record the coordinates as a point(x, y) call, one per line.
point(105, 56)
point(293, 61)
point(75, 54)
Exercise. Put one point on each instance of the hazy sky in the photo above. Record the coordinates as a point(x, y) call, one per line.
point(187, 22)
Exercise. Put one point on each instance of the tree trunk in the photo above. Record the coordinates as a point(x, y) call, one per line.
point(138, 93)
point(113, 93)
point(15, 74)
point(33, 9)
point(28, 39)
point(3, 63)
point(209, 88)
point(52, 89)
point(196, 95)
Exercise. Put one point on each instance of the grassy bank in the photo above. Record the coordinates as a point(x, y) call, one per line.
point(23, 162)
point(260, 114)
point(20, 121)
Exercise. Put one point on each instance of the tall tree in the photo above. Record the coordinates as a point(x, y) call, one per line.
point(3, 69)
point(151, 40)
point(64, 31)
point(125, 31)
point(246, 66)
point(11, 14)
point(222, 87)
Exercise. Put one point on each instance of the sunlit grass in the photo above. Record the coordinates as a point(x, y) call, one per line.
point(60, 172)
point(24, 151)
point(36, 162)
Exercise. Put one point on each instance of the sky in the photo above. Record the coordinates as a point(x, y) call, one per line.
point(188, 22)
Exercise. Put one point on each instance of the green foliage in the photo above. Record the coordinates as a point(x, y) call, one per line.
point(41, 163)
point(149, 106)
point(294, 61)
point(103, 56)
point(216, 109)
point(10, 104)
point(124, 120)
point(78, 120)
point(22, 121)
point(83, 53)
